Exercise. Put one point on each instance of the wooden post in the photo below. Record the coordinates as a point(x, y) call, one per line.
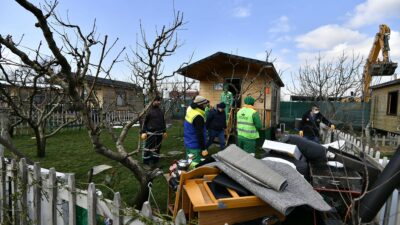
point(146, 210)
point(71, 200)
point(385, 161)
point(383, 140)
point(91, 204)
point(180, 218)
point(377, 156)
point(14, 191)
point(23, 191)
point(3, 195)
point(37, 193)
point(116, 212)
point(376, 140)
point(52, 190)
point(397, 216)
point(388, 207)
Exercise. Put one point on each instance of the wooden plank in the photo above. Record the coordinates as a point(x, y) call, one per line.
point(232, 216)
point(13, 191)
point(52, 192)
point(3, 195)
point(196, 196)
point(71, 200)
point(91, 204)
point(36, 188)
point(23, 191)
point(116, 211)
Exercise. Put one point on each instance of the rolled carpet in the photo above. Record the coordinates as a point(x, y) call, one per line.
point(251, 167)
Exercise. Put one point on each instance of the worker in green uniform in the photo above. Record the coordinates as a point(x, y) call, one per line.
point(227, 98)
point(248, 125)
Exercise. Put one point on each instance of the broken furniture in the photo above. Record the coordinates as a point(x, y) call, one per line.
point(196, 198)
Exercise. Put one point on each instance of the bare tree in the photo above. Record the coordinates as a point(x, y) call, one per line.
point(147, 62)
point(71, 60)
point(31, 100)
point(329, 79)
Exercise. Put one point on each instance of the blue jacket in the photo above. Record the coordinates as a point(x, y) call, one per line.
point(194, 129)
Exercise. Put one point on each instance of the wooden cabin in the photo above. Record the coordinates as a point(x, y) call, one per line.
point(385, 106)
point(245, 75)
point(115, 95)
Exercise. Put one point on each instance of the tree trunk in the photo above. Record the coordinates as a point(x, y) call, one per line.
point(40, 143)
point(142, 194)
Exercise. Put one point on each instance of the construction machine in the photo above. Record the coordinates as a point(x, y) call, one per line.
point(374, 66)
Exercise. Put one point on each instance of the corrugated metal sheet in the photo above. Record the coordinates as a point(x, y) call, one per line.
point(339, 112)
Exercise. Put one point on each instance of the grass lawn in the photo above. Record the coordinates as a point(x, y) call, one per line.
point(72, 152)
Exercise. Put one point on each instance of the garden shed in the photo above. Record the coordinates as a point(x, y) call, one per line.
point(245, 76)
point(385, 106)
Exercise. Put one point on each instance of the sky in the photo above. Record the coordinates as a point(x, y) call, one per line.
point(295, 30)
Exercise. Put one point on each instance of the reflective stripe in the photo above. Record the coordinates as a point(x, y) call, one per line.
point(245, 123)
point(247, 131)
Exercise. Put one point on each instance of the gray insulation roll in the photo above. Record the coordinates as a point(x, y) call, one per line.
point(253, 168)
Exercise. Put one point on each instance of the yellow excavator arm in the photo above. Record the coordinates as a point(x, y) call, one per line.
point(375, 67)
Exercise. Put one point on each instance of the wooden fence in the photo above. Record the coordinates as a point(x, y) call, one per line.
point(389, 214)
point(115, 118)
point(32, 195)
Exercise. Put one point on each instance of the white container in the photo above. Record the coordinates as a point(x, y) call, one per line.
point(282, 148)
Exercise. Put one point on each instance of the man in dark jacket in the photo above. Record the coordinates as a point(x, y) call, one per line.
point(216, 124)
point(309, 127)
point(194, 129)
point(153, 131)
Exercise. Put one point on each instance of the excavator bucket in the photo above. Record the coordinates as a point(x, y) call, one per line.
point(383, 68)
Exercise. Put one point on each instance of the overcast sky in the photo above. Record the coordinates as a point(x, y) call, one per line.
point(295, 30)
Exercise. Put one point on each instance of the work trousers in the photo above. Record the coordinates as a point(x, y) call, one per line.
point(151, 152)
point(248, 145)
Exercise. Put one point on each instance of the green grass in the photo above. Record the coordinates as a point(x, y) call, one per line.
point(72, 152)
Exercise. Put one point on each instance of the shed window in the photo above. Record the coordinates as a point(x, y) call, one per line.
point(393, 98)
point(121, 98)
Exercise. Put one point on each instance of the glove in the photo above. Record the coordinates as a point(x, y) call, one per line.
point(204, 152)
point(332, 127)
point(165, 135)
point(143, 136)
point(301, 133)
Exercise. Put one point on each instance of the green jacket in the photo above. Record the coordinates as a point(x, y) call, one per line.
point(227, 98)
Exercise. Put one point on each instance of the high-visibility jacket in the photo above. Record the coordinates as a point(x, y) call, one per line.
point(245, 123)
point(189, 132)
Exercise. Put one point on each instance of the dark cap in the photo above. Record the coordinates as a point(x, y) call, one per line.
point(221, 105)
point(157, 98)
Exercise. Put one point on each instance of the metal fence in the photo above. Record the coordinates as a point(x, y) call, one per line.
point(355, 114)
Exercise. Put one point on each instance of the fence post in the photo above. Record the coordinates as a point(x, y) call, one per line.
point(91, 204)
point(52, 188)
point(13, 192)
point(146, 210)
point(383, 140)
point(377, 156)
point(36, 183)
point(376, 140)
point(397, 217)
point(180, 218)
point(117, 219)
point(71, 200)
point(3, 195)
point(386, 215)
point(22, 190)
